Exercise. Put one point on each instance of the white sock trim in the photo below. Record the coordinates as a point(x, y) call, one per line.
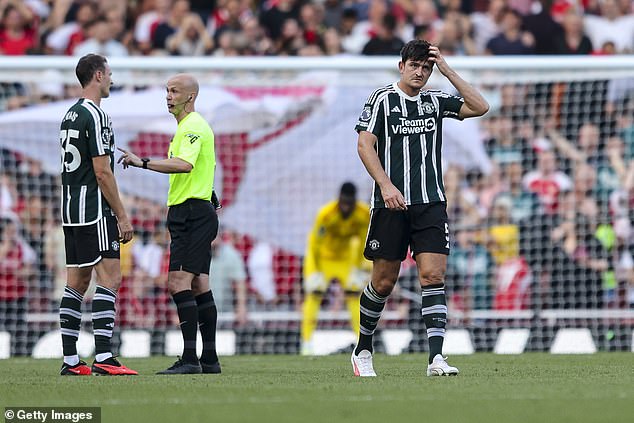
point(71, 360)
point(102, 357)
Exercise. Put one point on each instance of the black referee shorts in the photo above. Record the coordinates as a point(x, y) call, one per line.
point(422, 227)
point(192, 225)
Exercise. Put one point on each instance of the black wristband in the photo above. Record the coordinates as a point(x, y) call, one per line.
point(145, 161)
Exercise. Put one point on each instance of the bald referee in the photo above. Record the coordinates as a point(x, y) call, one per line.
point(192, 222)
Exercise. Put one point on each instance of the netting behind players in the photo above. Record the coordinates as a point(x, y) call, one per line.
point(539, 199)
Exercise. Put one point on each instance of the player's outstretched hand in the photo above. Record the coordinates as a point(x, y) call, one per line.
point(438, 59)
point(126, 231)
point(393, 198)
point(129, 159)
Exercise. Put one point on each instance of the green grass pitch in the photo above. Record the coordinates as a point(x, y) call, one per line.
point(527, 388)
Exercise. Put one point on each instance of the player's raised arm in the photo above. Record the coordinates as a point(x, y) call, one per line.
point(474, 104)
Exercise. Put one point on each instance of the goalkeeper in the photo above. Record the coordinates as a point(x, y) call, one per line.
point(335, 252)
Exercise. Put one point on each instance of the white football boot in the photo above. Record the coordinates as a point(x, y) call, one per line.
point(362, 364)
point(439, 367)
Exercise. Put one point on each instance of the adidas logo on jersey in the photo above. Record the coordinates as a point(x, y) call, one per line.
point(395, 109)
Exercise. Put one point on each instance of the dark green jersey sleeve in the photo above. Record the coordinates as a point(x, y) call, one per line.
point(95, 129)
point(450, 106)
point(372, 118)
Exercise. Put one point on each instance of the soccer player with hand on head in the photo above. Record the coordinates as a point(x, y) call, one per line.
point(335, 252)
point(399, 143)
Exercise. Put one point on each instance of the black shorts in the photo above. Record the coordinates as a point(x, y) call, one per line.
point(422, 227)
point(192, 225)
point(87, 245)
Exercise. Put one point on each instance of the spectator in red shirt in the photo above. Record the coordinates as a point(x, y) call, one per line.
point(13, 302)
point(386, 42)
point(147, 23)
point(18, 34)
point(311, 22)
point(65, 38)
point(228, 17)
point(547, 181)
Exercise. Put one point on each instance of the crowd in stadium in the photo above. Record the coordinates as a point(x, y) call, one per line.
point(305, 28)
point(551, 222)
point(313, 28)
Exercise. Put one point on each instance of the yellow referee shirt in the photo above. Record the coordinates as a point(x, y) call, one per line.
point(194, 143)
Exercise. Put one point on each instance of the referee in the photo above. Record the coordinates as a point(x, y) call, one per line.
point(192, 223)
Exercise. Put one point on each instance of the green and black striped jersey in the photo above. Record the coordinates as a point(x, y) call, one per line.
point(86, 132)
point(409, 132)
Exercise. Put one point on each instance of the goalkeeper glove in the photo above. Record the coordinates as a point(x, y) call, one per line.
point(315, 282)
point(358, 279)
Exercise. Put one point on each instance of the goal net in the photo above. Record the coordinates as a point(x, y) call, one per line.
point(540, 193)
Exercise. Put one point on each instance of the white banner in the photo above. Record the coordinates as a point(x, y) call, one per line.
point(297, 144)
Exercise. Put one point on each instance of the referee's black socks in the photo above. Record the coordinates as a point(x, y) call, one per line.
point(207, 318)
point(188, 316)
